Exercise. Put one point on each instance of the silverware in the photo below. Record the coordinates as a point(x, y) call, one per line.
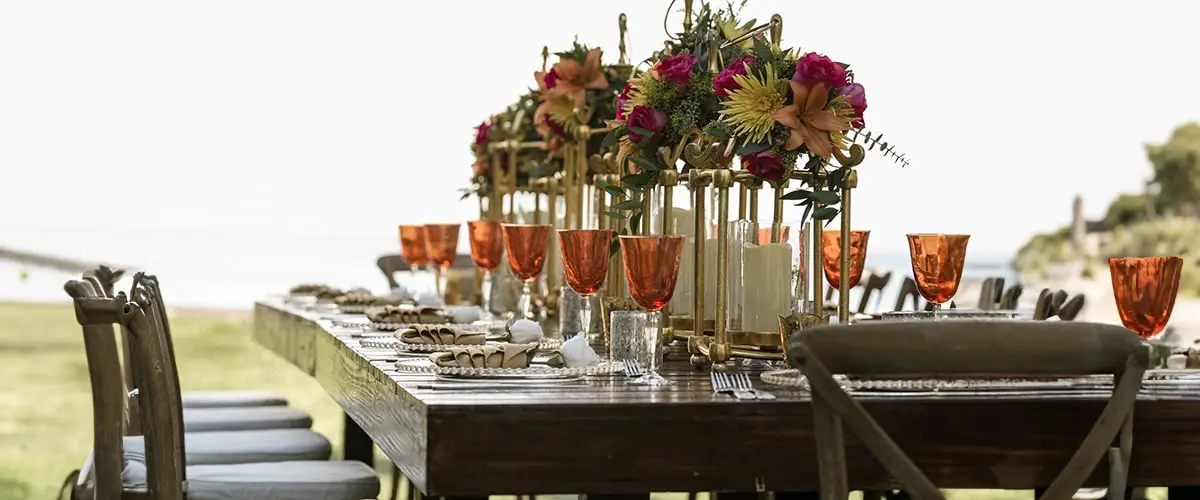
point(741, 380)
point(491, 386)
point(632, 369)
point(723, 384)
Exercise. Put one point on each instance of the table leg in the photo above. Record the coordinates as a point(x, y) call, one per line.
point(356, 444)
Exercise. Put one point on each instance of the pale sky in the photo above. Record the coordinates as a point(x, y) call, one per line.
point(351, 116)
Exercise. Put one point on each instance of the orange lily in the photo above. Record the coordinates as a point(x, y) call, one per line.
point(575, 79)
point(808, 121)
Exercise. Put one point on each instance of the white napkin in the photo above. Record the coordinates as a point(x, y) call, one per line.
point(524, 331)
point(1053, 318)
point(401, 292)
point(463, 315)
point(1177, 361)
point(577, 353)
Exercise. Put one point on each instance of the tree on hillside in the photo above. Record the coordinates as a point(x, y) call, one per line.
point(1176, 166)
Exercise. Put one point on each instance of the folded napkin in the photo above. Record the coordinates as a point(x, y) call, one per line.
point(576, 353)
point(401, 292)
point(488, 356)
point(429, 301)
point(318, 291)
point(367, 299)
point(406, 315)
point(523, 331)
point(439, 335)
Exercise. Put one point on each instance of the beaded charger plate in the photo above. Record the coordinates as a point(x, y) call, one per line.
point(353, 309)
point(402, 346)
point(793, 378)
point(424, 365)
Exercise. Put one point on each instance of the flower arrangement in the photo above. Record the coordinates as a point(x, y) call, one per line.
point(578, 91)
point(669, 105)
point(514, 123)
point(779, 106)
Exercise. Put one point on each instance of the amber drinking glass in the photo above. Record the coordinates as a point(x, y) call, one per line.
point(441, 241)
point(526, 247)
point(937, 264)
point(831, 250)
point(585, 264)
point(1145, 289)
point(651, 268)
point(412, 247)
point(487, 248)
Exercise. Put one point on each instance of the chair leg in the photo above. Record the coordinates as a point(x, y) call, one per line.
point(395, 482)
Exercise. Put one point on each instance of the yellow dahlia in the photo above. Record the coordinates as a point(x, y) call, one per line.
point(750, 109)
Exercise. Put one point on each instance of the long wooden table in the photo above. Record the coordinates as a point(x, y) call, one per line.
point(610, 437)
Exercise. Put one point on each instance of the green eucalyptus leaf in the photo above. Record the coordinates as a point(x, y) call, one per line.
point(616, 215)
point(628, 205)
point(611, 138)
point(825, 213)
point(646, 164)
point(814, 163)
point(799, 194)
point(635, 222)
point(825, 197)
point(613, 190)
point(638, 180)
point(717, 131)
point(750, 149)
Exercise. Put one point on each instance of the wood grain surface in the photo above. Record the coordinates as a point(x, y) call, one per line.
point(605, 436)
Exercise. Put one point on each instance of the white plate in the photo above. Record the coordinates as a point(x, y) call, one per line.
point(402, 346)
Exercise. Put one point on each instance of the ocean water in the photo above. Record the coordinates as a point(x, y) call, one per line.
point(232, 269)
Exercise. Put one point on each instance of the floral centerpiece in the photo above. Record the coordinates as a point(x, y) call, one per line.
point(781, 106)
point(516, 122)
point(670, 105)
point(578, 91)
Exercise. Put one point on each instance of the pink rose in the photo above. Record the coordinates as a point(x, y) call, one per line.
point(764, 164)
point(856, 96)
point(815, 68)
point(622, 101)
point(551, 79)
point(724, 83)
point(481, 133)
point(555, 127)
point(677, 69)
point(647, 118)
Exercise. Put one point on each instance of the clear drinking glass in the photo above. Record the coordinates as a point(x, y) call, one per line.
point(652, 267)
point(627, 329)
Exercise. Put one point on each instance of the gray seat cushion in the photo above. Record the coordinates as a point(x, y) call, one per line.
point(244, 419)
point(341, 480)
point(243, 447)
point(227, 399)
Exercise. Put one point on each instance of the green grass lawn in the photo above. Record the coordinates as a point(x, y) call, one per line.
point(45, 403)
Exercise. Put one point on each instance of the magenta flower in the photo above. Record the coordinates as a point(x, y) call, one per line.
point(765, 165)
point(814, 68)
point(677, 69)
point(481, 133)
point(724, 83)
point(646, 118)
point(856, 96)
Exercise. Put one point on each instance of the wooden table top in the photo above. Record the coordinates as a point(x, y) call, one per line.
point(607, 436)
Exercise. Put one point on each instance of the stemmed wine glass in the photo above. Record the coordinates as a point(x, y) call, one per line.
point(585, 265)
point(831, 249)
point(412, 247)
point(651, 268)
point(526, 247)
point(937, 263)
point(1145, 289)
point(487, 248)
point(442, 243)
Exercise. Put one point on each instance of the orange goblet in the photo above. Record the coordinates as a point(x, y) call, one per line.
point(585, 264)
point(831, 250)
point(651, 268)
point(412, 247)
point(526, 247)
point(441, 241)
point(1145, 289)
point(937, 263)
point(487, 248)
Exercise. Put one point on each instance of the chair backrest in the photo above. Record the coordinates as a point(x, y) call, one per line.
point(104, 279)
point(389, 265)
point(964, 348)
point(161, 398)
point(908, 289)
point(874, 283)
point(96, 315)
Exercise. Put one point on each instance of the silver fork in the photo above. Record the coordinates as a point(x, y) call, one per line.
point(632, 369)
point(723, 384)
point(741, 380)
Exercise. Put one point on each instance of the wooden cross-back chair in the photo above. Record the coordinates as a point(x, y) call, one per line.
point(965, 348)
point(162, 472)
point(1055, 303)
point(908, 290)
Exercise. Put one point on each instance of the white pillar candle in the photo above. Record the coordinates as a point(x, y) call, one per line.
point(766, 283)
point(685, 224)
point(733, 310)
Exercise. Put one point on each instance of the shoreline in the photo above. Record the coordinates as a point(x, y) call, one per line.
point(228, 313)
